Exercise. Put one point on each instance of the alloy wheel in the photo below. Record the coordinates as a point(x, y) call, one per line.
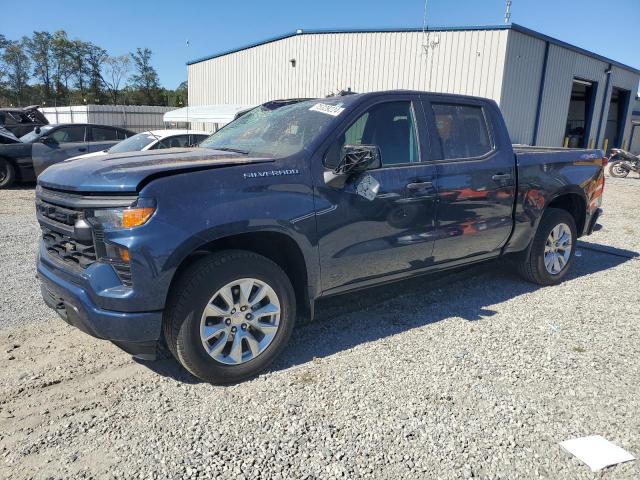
point(240, 321)
point(557, 249)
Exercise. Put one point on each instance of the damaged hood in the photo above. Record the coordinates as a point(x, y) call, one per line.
point(124, 172)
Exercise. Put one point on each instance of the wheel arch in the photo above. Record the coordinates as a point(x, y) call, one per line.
point(275, 245)
point(574, 202)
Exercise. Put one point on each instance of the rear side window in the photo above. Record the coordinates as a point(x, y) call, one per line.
point(103, 134)
point(462, 130)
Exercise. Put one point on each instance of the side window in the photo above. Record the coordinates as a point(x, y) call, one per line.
point(122, 134)
point(103, 134)
point(196, 139)
point(462, 130)
point(68, 134)
point(176, 141)
point(392, 127)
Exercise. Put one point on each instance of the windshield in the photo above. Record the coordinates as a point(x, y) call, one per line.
point(277, 131)
point(133, 144)
point(33, 136)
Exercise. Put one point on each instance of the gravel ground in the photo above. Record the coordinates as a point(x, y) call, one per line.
point(476, 375)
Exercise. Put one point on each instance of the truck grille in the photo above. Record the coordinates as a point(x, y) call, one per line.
point(67, 249)
point(58, 213)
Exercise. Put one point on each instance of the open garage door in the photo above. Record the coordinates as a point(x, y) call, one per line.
point(615, 120)
point(576, 133)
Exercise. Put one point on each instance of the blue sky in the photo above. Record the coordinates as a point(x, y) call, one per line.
point(213, 26)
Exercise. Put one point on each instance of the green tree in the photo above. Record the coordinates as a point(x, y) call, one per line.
point(16, 65)
point(116, 70)
point(96, 56)
point(39, 47)
point(145, 78)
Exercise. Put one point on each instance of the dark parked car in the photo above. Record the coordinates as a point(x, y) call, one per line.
point(50, 144)
point(21, 121)
point(217, 250)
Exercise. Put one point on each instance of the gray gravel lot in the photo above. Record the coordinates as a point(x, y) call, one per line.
point(477, 375)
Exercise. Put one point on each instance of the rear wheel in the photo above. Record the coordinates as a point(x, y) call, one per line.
point(552, 250)
point(229, 316)
point(7, 173)
point(617, 170)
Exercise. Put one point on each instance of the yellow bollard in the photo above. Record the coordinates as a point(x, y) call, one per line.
point(566, 142)
point(605, 147)
point(591, 143)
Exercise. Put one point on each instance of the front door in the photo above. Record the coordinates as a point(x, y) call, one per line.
point(365, 237)
point(476, 180)
point(58, 145)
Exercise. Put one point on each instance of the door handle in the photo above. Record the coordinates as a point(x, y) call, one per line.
point(419, 185)
point(501, 176)
point(82, 149)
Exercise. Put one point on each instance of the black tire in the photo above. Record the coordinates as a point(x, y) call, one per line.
point(191, 294)
point(7, 173)
point(531, 262)
point(616, 171)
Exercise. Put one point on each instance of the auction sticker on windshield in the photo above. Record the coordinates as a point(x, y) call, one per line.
point(332, 110)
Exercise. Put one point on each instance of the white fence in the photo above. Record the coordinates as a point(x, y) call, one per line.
point(133, 117)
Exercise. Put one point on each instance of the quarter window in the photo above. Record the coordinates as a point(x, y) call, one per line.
point(462, 130)
point(392, 127)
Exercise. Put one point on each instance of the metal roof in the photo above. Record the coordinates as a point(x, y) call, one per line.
point(513, 26)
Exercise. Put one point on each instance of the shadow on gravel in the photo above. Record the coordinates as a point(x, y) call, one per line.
point(342, 322)
point(346, 321)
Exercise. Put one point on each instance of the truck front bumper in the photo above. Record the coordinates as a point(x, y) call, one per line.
point(136, 333)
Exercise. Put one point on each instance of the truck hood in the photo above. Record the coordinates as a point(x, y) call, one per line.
point(125, 172)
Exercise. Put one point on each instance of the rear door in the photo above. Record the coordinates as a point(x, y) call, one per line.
point(58, 145)
point(476, 175)
point(363, 239)
point(102, 138)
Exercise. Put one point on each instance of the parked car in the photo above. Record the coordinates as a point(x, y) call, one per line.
point(21, 121)
point(217, 250)
point(50, 144)
point(152, 140)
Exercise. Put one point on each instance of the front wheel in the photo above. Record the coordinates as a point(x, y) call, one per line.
point(229, 316)
point(617, 170)
point(7, 173)
point(552, 251)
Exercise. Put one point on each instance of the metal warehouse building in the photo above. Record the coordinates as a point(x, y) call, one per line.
point(550, 92)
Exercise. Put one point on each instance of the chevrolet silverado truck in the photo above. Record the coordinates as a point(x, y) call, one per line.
point(215, 251)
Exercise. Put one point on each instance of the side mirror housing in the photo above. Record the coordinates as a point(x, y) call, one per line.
point(49, 141)
point(357, 159)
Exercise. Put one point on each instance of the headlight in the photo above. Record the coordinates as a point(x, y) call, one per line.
point(123, 217)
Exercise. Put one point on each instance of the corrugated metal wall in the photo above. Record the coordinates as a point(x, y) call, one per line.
point(137, 118)
point(468, 62)
point(505, 65)
point(521, 85)
point(523, 70)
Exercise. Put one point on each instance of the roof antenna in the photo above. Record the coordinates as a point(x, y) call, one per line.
point(507, 11)
point(425, 33)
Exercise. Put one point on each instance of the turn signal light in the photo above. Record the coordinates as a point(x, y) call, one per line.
point(134, 217)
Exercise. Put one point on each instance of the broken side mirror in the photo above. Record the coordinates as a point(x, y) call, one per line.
point(357, 159)
point(353, 159)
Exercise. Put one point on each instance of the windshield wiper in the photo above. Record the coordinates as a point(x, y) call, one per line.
point(229, 149)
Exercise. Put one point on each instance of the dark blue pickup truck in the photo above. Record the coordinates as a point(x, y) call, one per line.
point(217, 250)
